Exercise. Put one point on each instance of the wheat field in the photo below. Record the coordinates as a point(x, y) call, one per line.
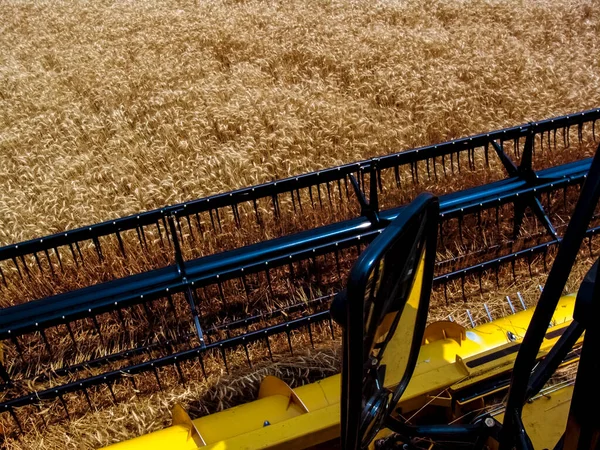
point(111, 108)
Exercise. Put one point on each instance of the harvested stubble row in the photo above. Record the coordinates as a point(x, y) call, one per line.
point(115, 108)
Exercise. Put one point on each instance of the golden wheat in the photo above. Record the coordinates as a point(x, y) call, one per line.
point(109, 108)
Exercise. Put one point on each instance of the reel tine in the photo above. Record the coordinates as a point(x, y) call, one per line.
point(397, 176)
point(310, 335)
point(294, 200)
point(14, 260)
point(268, 345)
point(337, 262)
point(247, 353)
point(159, 232)
point(221, 293)
point(39, 408)
point(121, 245)
point(218, 220)
point(236, 218)
point(212, 220)
point(86, 395)
point(134, 385)
point(180, 372)
point(299, 200)
point(122, 321)
point(269, 283)
point(39, 264)
point(64, 405)
point(98, 247)
point(319, 195)
point(487, 311)
point(57, 253)
point(329, 193)
point(331, 328)
point(15, 418)
point(172, 305)
point(178, 225)
point(46, 343)
point(139, 235)
point(201, 359)
point(471, 318)
point(144, 236)
point(25, 266)
point(446, 292)
point(198, 226)
point(97, 328)
point(289, 339)
point(155, 370)
point(112, 393)
point(224, 358)
point(512, 308)
point(522, 301)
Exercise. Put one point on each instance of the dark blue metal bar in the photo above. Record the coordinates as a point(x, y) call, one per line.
point(91, 301)
point(171, 360)
point(229, 343)
point(505, 259)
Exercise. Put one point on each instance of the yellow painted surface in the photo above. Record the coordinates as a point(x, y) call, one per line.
point(545, 418)
point(175, 437)
point(243, 427)
point(398, 349)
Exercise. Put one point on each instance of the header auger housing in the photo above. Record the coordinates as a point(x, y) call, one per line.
point(245, 271)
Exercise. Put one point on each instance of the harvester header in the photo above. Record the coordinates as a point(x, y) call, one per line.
point(252, 271)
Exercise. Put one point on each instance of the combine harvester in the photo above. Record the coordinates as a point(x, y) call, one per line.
point(172, 303)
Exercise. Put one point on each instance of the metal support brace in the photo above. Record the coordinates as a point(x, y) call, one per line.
point(189, 295)
point(370, 208)
point(525, 171)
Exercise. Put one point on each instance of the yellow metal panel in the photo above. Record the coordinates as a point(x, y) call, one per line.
point(444, 329)
point(331, 388)
point(398, 348)
point(246, 418)
point(175, 437)
point(271, 386)
point(545, 418)
point(301, 432)
point(181, 417)
point(320, 394)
